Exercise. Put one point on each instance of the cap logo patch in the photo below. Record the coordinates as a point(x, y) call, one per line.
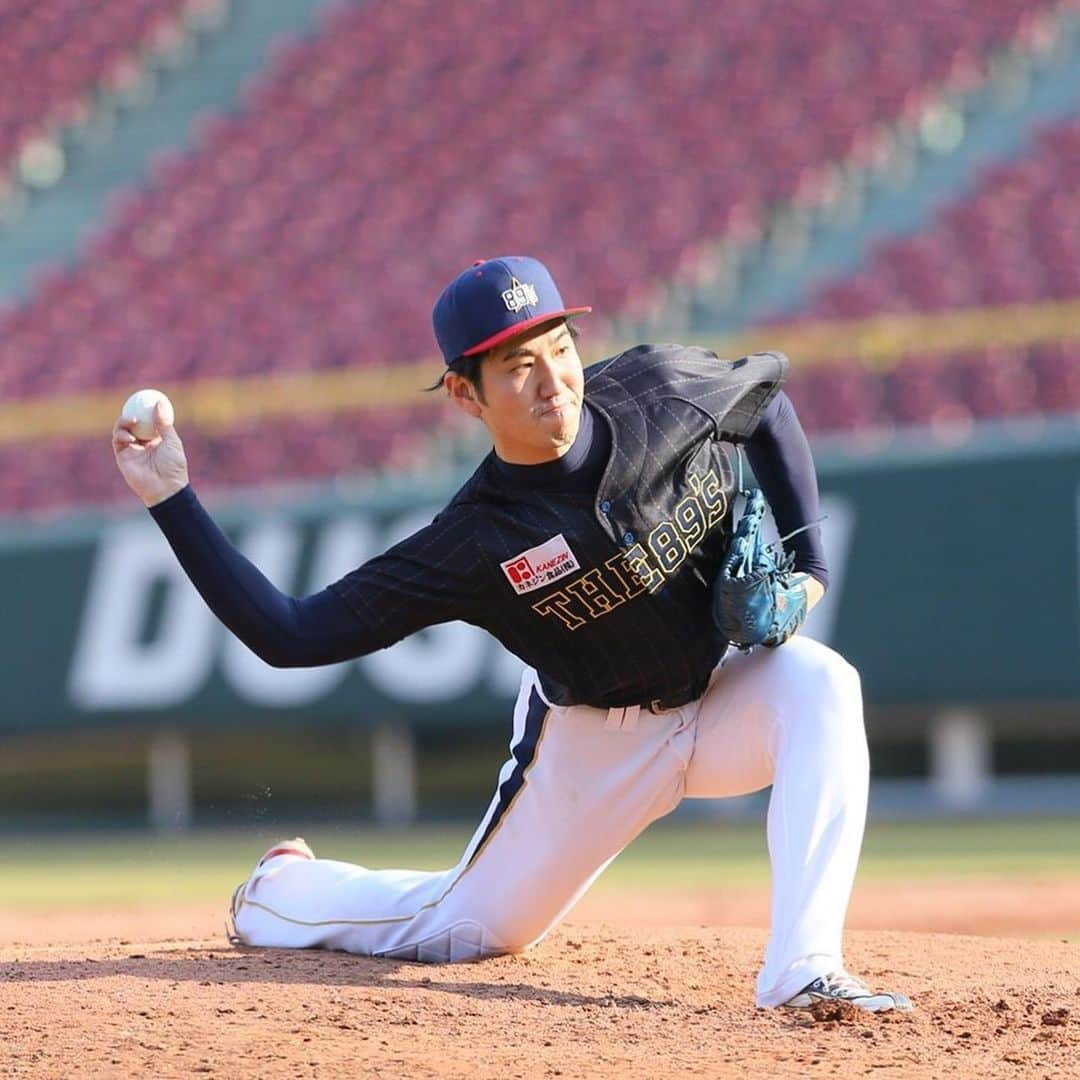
point(520, 295)
point(541, 565)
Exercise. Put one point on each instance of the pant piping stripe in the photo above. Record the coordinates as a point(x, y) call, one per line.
point(525, 754)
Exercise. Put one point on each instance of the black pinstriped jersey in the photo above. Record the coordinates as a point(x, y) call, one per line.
point(605, 594)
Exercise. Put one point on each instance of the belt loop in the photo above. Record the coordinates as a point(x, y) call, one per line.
point(630, 717)
point(614, 719)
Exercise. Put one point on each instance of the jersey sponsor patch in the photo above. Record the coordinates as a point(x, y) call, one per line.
point(541, 565)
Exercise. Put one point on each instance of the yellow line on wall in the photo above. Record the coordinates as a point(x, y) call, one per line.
point(216, 404)
point(883, 341)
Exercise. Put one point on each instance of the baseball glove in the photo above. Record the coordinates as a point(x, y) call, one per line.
point(757, 598)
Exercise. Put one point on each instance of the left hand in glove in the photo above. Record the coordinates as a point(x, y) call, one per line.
point(757, 598)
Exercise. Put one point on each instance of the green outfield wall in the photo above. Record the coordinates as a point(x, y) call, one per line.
point(955, 581)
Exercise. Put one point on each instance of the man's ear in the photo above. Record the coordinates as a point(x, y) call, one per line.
point(462, 393)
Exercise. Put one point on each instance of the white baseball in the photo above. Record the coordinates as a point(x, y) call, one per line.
point(140, 408)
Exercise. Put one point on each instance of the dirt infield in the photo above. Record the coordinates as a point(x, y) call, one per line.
point(612, 993)
point(590, 1001)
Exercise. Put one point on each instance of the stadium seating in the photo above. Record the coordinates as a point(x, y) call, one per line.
point(313, 229)
point(60, 473)
point(1013, 241)
point(947, 392)
point(54, 54)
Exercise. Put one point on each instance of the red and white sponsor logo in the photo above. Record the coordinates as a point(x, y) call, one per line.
point(541, 565)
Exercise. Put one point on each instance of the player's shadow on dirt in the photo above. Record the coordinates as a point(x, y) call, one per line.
point(304, 967)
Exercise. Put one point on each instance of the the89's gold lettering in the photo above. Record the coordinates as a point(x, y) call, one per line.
point(631, 584)
point(641, 567)
point(668, 547)
point(637, 562)
point(711, 493)
point(561, 605)
point(595, 592)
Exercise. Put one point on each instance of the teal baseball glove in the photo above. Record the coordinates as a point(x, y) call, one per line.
point(757, 598)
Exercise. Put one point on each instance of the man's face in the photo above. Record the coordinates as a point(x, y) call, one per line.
point(531, 389)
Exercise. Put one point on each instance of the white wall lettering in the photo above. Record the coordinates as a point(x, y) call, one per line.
point(112, 667)
point(274, 547)
point(438, 664)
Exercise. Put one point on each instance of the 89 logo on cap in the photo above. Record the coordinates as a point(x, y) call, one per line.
point(520, 295)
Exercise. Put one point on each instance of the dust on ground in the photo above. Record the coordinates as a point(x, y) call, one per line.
point(589, 1001)
point(122, 993)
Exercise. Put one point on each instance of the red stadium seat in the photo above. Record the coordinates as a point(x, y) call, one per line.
point(377, 157)
point(54, 54)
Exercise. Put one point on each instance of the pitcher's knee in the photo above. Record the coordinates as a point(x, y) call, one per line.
point(515, 935)
point(816, 669)
point(519, 915)
point(841, 680)
point(839, 714)
point(465, 940)
point(825, 695)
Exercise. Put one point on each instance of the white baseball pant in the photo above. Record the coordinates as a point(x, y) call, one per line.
point(580, 784)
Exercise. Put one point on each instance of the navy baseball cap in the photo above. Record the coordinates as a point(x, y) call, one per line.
point(493, 300)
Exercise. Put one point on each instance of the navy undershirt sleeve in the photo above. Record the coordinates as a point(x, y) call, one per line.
point(780, 456)
point(330, 626)
point(282, 630)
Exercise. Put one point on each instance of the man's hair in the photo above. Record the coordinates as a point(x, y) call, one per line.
point(468, 367)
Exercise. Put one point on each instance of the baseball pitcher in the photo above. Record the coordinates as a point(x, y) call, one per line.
point(600, 542)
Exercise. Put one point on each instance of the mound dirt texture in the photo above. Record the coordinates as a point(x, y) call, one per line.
point(593, 1000)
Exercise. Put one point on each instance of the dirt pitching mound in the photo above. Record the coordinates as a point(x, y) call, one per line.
point(592, 1000)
